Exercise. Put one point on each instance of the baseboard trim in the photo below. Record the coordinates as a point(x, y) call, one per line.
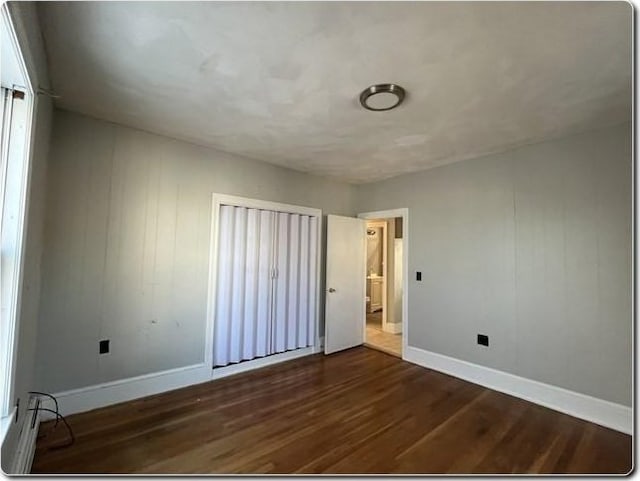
point(114, 392)
point(26, 448)
point(106, 394)
point(598, 411)
point(230, 370)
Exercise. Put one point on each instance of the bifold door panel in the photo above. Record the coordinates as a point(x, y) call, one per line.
point(266, 283)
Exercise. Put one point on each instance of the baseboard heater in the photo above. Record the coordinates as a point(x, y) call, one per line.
point(27, 438)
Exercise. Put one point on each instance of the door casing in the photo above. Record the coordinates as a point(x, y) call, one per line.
point(217, 201)
point(386, 214)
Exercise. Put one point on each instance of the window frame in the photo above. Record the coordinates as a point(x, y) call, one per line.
point(15, 147)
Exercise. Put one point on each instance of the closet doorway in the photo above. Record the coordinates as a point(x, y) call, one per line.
point(264, 281)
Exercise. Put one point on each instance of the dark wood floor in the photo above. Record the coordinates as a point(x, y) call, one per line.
point(359, 411)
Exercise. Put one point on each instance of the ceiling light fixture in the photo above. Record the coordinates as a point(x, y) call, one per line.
point(382, 97)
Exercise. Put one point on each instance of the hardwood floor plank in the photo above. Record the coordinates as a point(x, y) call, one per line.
point(523, 444)
point(357, 411)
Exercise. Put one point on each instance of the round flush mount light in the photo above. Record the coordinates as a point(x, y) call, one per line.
point(382, 97)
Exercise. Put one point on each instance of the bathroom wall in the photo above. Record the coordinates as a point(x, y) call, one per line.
point(394, 271)
point(374, 250)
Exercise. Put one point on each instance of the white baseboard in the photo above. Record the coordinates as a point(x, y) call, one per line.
point(105, 394)
point(26, 445)
point(114, 392)
point(393, 327)
point(245, 366)
point(598, 411)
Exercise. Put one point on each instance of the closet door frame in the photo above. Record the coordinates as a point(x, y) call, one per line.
point(223, 199)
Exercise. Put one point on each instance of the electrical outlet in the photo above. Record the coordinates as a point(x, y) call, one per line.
point(418, 276)
point(483, 340)
point(104, 346)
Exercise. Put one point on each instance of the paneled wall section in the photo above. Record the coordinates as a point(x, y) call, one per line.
point(127, 246)
point(531, 247)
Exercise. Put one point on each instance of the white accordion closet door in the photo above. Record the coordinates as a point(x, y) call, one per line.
point(224, 291)
point(256, 283)
point(311, 307)
point(305, 309)
point(302, 311)
point(295, 288)
point(265, 285)
point(242, 325)
point(238, 273)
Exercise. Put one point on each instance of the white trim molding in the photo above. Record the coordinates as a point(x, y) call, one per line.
point(6, 425)
point(22, 136)
point(114, 392)
point(224, 199)
point(231, 369)
point(122, 390)
point(21, 441)
point(218, 200)
point(598, 411)
point(27, 440)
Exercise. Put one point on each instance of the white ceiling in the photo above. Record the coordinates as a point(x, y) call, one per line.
point(280, 81)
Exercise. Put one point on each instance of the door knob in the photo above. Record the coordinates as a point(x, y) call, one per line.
point(331, 289)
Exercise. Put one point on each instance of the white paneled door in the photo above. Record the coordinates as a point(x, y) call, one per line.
point(346, 273)
point(266, 283)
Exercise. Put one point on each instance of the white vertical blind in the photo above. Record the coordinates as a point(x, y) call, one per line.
point(252, 267)
point(222, 324)
point(265, 284)
point(313, 279)
point(292, 287)
point(265, 302)
point(281, 294)
point(303, 294)
point(238, 285)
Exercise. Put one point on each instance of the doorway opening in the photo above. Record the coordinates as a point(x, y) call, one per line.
point(385, 283)
point(346, 280)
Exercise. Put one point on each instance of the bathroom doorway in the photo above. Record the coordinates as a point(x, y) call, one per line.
point(385, 284)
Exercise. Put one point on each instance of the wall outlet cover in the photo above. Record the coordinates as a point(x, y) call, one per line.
point(104, 346)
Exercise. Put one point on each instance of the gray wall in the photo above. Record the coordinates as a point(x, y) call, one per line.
point(27, 29)
point(531, 247)
point(127, 246)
